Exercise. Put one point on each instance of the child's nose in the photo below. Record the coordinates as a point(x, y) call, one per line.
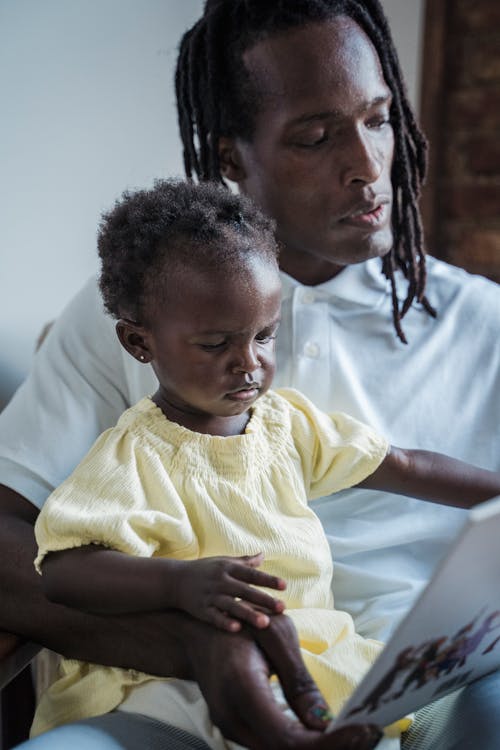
point(245, 359)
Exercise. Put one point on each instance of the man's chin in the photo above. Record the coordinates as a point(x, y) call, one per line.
point(367, 247)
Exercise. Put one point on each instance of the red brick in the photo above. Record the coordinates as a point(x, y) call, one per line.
point(453, 159)
point(477, 202)
point(457, 71)
point(482, 156)
point(477, 14)
point(472, 59)
point(476, 247)
point(475, 108)
point(483, 58)
point(465, 156)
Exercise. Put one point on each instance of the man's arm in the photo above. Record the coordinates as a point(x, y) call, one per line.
point(218, 590)
point(25, 610)
point(434, 477)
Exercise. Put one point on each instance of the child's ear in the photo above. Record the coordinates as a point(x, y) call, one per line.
point(134, 338)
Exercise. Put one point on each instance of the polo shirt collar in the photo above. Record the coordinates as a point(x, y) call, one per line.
point(359, 284)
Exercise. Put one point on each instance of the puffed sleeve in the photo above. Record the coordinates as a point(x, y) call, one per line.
point(336, 450)
point(119, 496)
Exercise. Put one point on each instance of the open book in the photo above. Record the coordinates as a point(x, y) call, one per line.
point(451, 635)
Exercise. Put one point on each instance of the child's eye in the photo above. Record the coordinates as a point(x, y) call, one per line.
point(211, 347)
point(268, 334)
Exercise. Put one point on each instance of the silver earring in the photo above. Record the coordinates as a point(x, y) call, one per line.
point(142, 358)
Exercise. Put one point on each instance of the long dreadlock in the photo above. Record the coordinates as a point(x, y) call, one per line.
point(216, 96)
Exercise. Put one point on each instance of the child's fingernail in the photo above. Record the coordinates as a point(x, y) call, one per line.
point(321, 712)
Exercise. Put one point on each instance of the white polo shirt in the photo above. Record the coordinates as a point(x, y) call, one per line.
point(337, 345)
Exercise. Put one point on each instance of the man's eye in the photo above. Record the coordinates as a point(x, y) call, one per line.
point(311, 140)
point(378, 122)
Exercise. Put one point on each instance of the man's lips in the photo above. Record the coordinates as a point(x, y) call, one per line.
point(368, 214)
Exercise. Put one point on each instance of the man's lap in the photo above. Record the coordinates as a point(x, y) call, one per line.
point(464, 720)
point(116, 731)
point(127, 731)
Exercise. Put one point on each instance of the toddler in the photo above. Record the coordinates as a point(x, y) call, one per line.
point(198, 498)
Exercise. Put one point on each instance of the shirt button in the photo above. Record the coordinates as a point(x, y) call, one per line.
point(311, 349)
point(308, 297)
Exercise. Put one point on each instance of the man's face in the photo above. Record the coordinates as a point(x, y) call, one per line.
point(212, 339)
point(320, 159)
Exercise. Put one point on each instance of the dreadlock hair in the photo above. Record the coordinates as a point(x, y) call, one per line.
point(150, 233)
point(216, 97)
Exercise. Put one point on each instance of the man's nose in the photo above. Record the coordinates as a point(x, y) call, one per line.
point(363, 160)
point(245, 359)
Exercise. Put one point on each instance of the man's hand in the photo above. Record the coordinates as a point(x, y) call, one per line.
point(233, 670)
point(220, 591)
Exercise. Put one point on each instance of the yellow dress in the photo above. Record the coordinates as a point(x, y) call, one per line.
point(150, 487)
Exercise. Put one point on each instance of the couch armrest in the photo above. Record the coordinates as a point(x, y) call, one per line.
point(15, 655)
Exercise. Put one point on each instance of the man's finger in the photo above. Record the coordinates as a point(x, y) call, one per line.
point(280, 644)
point(362, 736)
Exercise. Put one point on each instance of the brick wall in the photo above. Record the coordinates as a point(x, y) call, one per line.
point(465, 137)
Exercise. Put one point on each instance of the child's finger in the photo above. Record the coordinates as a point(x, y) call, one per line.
point(221, 619)
point(243, 612)
point(250, 596)
point(257, 597)
point(253, 561)
point(256, 577)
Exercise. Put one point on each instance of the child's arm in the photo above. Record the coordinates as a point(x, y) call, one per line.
point(215, 589)
point(434, 477)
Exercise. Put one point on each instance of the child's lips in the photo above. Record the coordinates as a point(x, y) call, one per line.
point(247, 393)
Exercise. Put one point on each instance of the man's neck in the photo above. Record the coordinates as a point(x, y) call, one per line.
point(307, 269)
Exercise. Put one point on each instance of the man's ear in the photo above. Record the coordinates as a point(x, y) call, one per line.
point(135, 339)
point(230, 161)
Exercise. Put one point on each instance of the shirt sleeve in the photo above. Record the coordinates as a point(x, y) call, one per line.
point(336, 450)
point(120, 496)
point(77, 388)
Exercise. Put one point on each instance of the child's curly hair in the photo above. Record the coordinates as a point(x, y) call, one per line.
point(148, 232)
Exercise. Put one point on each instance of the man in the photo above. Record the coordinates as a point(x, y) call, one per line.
point(302, 106)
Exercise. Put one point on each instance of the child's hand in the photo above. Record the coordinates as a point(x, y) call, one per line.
point(217, 590)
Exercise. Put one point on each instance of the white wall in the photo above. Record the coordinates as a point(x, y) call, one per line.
point(87, 109)
point(406, 18)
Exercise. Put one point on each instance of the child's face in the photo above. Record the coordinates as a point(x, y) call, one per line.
point(212, 340)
